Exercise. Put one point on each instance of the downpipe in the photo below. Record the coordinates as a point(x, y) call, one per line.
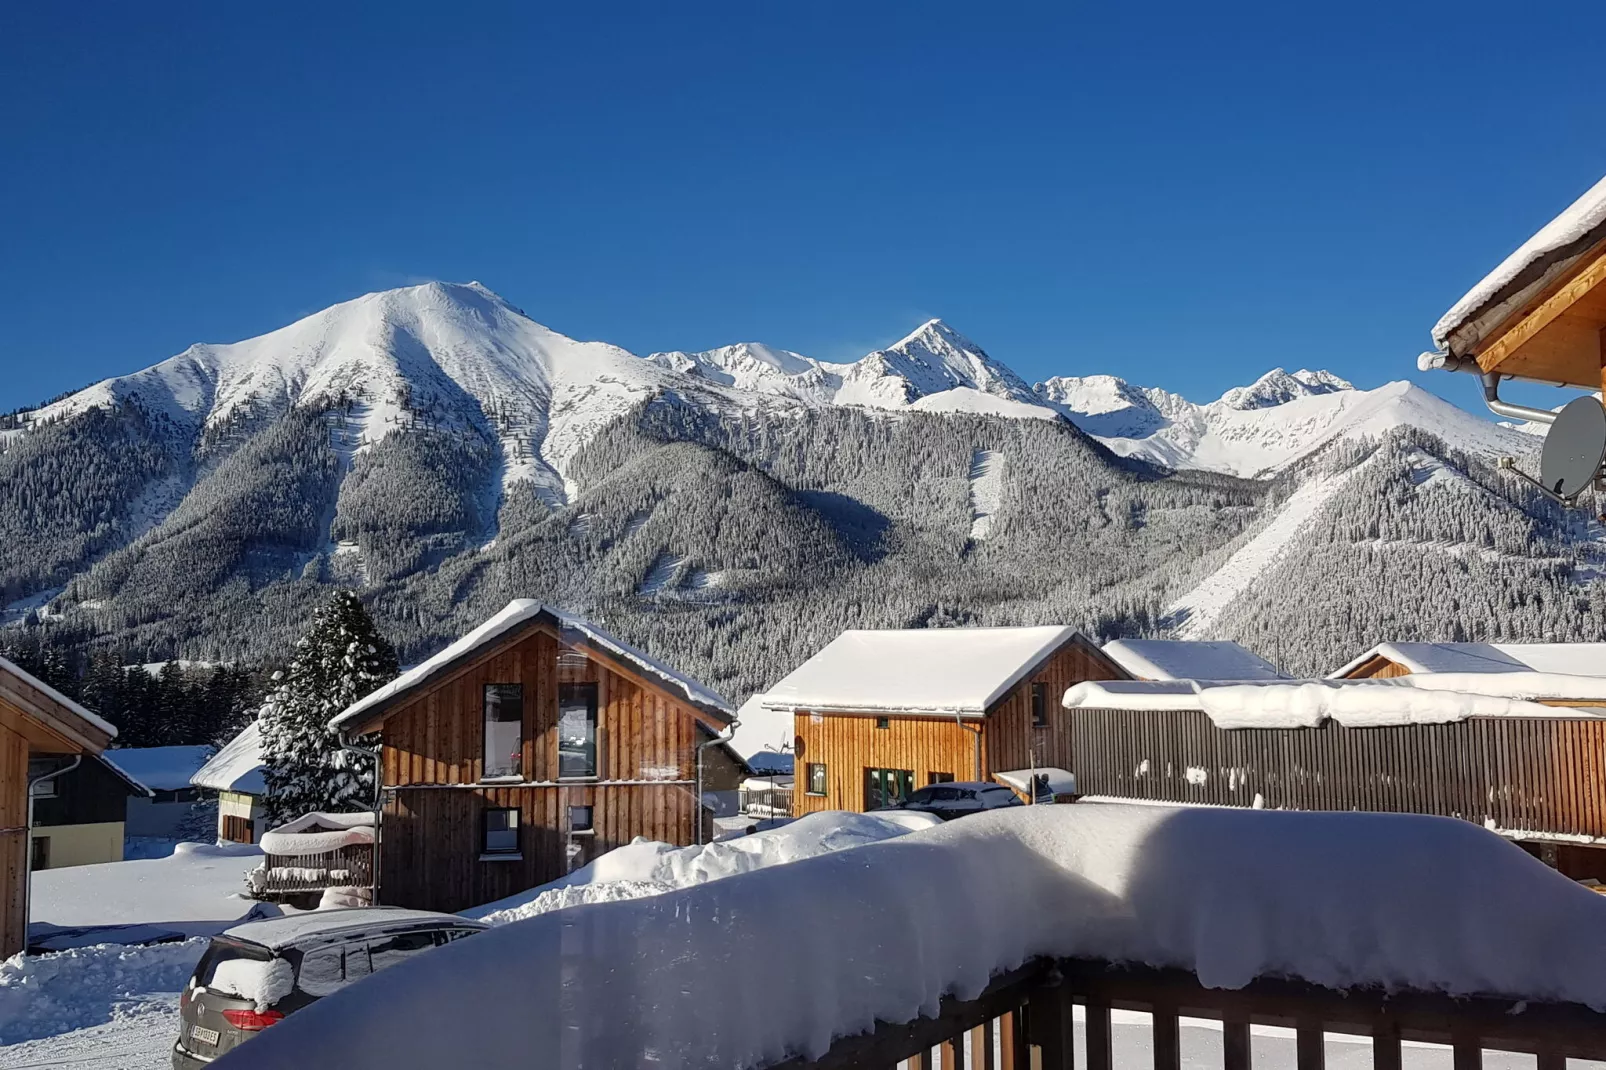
point(1447, 362)
point(729, 734)
point(27, 847)
point(976, 732)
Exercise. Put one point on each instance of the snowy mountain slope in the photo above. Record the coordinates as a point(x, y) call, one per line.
point(1259, 430)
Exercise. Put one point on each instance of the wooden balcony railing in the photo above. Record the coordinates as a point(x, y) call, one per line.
point(1026, 1020)
point(300, 875)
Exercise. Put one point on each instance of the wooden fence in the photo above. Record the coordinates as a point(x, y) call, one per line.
point(1026, 1020)
point(1542, 775)
point(299, 875)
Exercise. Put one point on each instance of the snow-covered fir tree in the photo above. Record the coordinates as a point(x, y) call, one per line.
point(340, 660)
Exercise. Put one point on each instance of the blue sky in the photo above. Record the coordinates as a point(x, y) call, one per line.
point(1183, 195)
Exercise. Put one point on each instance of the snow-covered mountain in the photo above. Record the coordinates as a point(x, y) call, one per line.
point(1258, 430)
point(732, 509)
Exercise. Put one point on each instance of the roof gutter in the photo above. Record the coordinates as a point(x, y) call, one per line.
point(1437, 361)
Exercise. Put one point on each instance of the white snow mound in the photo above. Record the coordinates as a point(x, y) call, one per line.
point(885, 930)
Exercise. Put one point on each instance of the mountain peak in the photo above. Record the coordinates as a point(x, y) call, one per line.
point(1278, 387)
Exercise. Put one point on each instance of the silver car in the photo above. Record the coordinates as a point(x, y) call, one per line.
point(256, 973)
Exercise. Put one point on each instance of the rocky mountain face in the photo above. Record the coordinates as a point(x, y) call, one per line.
point(732, 510)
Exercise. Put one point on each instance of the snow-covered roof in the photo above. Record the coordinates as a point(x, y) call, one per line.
point(1536, 262)
point(766, 762)
point(1229, 895)
point(287, 930)
point(918, 670)
point(317, 833)
point(1370, 703)
point(237, 766)
point(160, 768)
point(517, 614)
point(1571, 659)
point(67, 704)
point(1182, 659)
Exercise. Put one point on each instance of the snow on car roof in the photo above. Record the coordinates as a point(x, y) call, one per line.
point(160, 768)
point(1182, 659)
point(284, 931)
point(916, 670)
point(1569, 659)
point(1534, 262)
point(237, 766)
point(516, 613)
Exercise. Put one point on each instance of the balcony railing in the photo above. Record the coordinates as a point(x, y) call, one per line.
point(1027, 1020)
point(284, 876)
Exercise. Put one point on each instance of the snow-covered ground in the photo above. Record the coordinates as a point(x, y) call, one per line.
point(197, 890)
point(986, 491)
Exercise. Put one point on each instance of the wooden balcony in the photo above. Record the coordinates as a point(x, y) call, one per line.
point(283, 877)
point(1055, 1015)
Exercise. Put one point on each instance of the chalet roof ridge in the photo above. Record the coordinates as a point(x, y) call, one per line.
point(1179, 659)
point(942, 671)
point(65, 705)
point(517, 615)
point(234, 763)
point(1422, 656)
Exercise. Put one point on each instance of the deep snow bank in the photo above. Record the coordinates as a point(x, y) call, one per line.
point(649, 867)
point(885, 930)
point(43, 995)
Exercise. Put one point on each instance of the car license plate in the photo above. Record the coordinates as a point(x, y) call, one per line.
point(203, 1034)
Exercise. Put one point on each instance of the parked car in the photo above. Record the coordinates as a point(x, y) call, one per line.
point(254, 974)
point(959, 798)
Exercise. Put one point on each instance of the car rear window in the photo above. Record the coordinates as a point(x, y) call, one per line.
point(221, 951)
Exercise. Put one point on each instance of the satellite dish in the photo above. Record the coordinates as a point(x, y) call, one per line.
point(1574, 448)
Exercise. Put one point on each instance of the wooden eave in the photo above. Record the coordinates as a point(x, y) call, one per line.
point(711, 716)
point(1370, 667)
point(1555, 337)
point(1117, 672)
point(375, 717)
point(47, 725)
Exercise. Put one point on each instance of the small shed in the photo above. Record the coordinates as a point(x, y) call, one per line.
point(235, 772)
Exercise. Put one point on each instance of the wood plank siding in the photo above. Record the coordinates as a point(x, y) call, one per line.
point(847, 744)
point(1539, 776)
point(13, 842)
point(432, 756)
point(1377, 668)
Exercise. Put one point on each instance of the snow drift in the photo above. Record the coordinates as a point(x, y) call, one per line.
point(884, 931)
point(649, 867)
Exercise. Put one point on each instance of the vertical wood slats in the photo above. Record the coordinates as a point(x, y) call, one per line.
point(981, 1047)
point(14, 846)
point(430, 853)
point(1523, 774)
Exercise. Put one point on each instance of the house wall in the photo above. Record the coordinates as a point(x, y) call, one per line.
point(1378, 668)
point(430, 853)
point(239, 818)
point(850, 743)
point(81, 845)
point(89, 794)
point(13, 841)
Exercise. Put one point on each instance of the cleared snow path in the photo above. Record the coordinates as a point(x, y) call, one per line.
point(986, 491)
point(1199, 608)
point(661, 573)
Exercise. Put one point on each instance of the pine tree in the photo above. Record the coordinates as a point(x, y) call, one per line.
point(340, 660)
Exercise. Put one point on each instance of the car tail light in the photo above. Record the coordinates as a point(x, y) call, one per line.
point(251, 1021)
point(183, 999)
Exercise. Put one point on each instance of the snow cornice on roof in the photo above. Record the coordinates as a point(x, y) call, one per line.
point(80, 724)
point(514, 620)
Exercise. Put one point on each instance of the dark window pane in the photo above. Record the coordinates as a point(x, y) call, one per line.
point(816, 778)
point(394, 949)
point(577, 730)
point(579, 819)
point(501, 832)
point(1039, 705)
point(504, 730)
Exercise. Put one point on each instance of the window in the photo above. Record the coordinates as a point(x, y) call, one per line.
point(577, 730)
point(504, 730)
point(43, 789)
point(580, 819)
point(237, 829)
point(883, 722)
point(398, 948)
point(816, 778)
point(322, 971)
point(886, 787)
point(41, 853)
point(1039, 705)
point(501, 832)
point(939, 778)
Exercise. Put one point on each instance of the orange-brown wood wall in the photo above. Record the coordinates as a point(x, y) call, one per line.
point(1378, 668)
point(850, 743)
point(13, 842)
point(432, 753)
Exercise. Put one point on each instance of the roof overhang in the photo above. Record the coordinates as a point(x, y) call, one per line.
point(1548, 331)
point(47, 719)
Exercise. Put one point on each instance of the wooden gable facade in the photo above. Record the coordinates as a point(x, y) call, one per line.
point(453, 837)
point(35, 722)
point(850, 749)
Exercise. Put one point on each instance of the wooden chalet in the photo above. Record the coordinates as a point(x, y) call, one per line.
point(1388, 660)
point(1190, 659)
point(235, 773)
point(37, 723)
point(527, 748)
point(1535, 776)
point(80, 817)
point(878, 714)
